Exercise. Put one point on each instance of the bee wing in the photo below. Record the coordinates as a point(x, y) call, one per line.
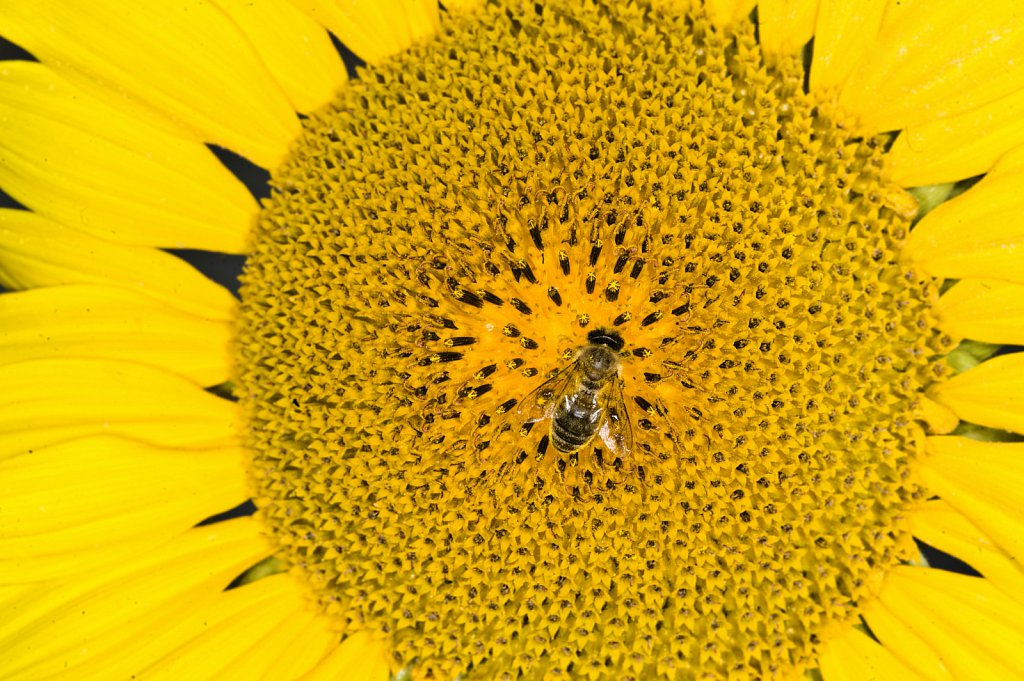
point(541, 401)
point(538, 405)
point(616, 430)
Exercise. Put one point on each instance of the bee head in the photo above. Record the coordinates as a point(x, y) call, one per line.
point(607, 338)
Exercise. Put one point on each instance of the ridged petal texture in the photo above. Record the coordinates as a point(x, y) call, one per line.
point(990, 394)
point(939, 418)
point(295, 49)
point(163, 614)
point(217, 90)
point(90, 320)
point(36, 252)
point(854, 656)
point(264, 630)
point(360, 657)
point(946, 625)
point(375, 30)
point(106, 502)
point(985, 310)
point(843, 34)
point(939, 524)
point(935, 59)
point(981, 480)
point(52, 400)
point(125, 608)
point(786, 25)
point(978, 234)
point(905, 643)
point(77, 160)
point(958, 146)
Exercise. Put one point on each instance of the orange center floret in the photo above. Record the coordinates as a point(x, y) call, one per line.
point(450, 235)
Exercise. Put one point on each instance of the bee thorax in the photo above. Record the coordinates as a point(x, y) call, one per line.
point(597, 363)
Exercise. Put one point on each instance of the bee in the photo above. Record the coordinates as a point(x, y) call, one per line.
point(584, 400)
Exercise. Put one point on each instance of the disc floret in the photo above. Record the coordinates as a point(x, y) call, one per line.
point(447, 236)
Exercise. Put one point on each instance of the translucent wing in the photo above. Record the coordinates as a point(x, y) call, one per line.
point(541, 401)
point(616, 430)
point(537, 405)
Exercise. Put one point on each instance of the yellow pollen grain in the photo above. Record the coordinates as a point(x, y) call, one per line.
point(440, 243)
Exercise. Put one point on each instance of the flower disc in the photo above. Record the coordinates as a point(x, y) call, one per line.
point(461, 222)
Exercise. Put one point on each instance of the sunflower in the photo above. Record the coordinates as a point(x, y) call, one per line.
point(576, 339)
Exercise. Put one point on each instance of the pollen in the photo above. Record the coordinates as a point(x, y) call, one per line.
point(452, 231)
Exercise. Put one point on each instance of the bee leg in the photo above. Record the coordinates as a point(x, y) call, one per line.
point(673, 430)
point(479, 446)
point(567, 487)
point(503, 470)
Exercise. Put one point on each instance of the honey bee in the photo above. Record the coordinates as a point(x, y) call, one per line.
point(585, 399)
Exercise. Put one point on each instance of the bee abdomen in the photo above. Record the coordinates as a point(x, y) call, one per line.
point(569, 432)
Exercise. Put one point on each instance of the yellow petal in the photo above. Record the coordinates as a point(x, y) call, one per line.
point(979, 234)
point(934, 59)
point(939, 524)
point(294, 48)
point(959, 146)
point(37, 252)
point(853, 656)
point(10, 593)
point(98, 501)
point(263, 630)
point(113, 323)
point(184, 62)
point(981, 480)
point(725, 12)
point(463, 6)
point(360, 657)
point(979, 632)
point(81, 162)
point(842, 35)
point(940, 420)
point(991, 394)
point(305, 640)
point(98, 620)
point(54, 400)
point(375, 30)
point(904, 642)
point(422, 17)
point(985, 310)
point(786, 25)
